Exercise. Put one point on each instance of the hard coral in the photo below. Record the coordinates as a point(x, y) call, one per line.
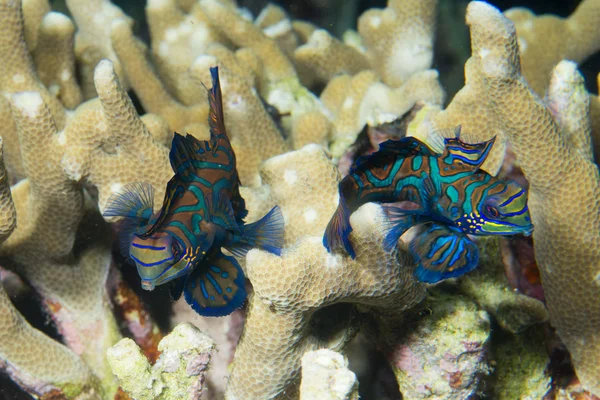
point(552, 145)
point(547, 39)
point(303, 286)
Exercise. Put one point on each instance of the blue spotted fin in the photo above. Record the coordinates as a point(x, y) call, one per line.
point(215, 288)
point(337, 232)
point(474, 155)
point(266, 234)
point(443, 253)
point(398, 222)
point(134, 202)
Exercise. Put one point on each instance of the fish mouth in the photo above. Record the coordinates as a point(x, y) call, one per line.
point(148, 285)
point(528, 231)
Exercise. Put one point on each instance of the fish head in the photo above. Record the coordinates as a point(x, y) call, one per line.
point(159, 258)
point(503, 211)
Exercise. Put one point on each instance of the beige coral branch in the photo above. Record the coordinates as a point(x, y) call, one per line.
point(291, 290)
point(94, 19)
point(150, 89)
point(55, 60)
point(17, 74)
point(564, 192)
point(21, 345)
point(399, 38)
point(108, 145)
point(545, 40)
point(327, 56)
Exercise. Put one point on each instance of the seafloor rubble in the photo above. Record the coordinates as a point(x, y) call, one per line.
point(72, 136)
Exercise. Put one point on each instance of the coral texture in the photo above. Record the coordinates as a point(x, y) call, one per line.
point(65, 158)
point(552, 144)
point(307, 284)
point(545, 40)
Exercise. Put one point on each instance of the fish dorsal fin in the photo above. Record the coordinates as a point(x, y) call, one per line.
point(470, 154)
point(407, 146)
point(181, 154)
point(216, 119)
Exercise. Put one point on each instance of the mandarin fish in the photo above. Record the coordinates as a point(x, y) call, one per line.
point(202, 212)
point(450, 193)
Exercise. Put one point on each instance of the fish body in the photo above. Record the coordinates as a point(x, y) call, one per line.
point(448, 191)
point(202, 212)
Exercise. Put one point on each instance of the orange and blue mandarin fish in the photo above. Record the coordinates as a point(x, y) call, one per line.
point(202, 212)
point(451, 193)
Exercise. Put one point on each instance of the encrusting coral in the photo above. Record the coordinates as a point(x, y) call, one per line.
point(325, 375)
point(179, 372)
point(552, 144)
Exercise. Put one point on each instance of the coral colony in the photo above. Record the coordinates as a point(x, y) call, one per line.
point(321, 229)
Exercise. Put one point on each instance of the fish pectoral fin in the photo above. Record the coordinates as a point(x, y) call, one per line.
point(442, 253)
point(176, 287)
point(215, 288)
point(222, 213)
point(337, 232)
point(398, 222)
point(266, 234)
point(135, 203)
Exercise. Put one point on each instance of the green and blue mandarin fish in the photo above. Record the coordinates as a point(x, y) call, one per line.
point(451, 194)
point(202, 212)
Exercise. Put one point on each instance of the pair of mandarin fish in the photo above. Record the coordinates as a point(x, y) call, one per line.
point(203, 211)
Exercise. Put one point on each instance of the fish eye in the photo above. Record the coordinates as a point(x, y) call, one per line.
point(492, 211)
point(176, 250)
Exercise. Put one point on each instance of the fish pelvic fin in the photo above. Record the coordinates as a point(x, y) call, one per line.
point(134, 202)
point(398, 222)
point(337, 232)
point(266, 234)
point(443, 253)
point(215, 288)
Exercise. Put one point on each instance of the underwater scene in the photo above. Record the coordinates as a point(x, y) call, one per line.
point(299, 199)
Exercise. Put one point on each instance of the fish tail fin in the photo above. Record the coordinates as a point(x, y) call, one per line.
point(398, 222)
point(337, 233)
point(266, 234)
point(442, 254)
point(215, 288)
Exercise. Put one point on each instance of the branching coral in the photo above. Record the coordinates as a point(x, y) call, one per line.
point(552, 144)
point(547, 39)
point(307, 299)
point(399, 38)
point(306, 282)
